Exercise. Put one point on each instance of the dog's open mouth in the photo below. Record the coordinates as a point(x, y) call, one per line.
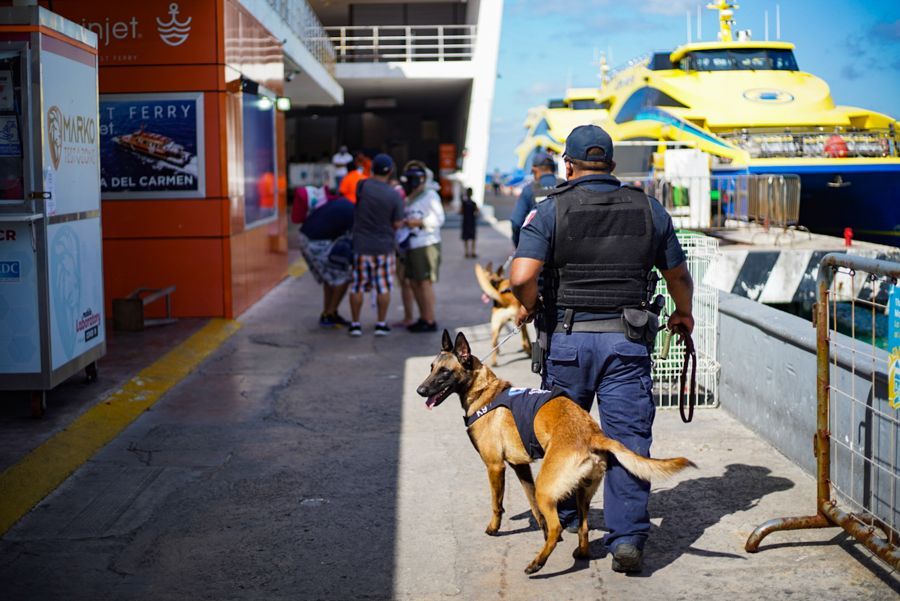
point(438, 398)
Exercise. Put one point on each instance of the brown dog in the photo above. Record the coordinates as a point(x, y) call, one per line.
point(576, 448)
point(506, 306)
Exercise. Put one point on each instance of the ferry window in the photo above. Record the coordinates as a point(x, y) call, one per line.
point(741, 59)
point(260, 182)
point(644, 98)
point(581, 105)
point(556, 104)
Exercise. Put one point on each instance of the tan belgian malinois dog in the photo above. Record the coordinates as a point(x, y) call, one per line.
point(576, 448)
point(505, 308)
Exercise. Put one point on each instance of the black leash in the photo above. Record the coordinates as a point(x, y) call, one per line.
point(690, 356)
point(690, 359)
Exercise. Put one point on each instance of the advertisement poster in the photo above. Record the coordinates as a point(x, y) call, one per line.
point(70, 132)
point(10, 145)
point(893, 347)
point(151, 146)
point(76, 289)
point(20, 352)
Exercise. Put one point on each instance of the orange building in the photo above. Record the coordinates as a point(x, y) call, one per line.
point(192, 151)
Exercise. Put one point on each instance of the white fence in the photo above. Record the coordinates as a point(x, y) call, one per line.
point(302, 20)
point(402, 43)
point(700, 251)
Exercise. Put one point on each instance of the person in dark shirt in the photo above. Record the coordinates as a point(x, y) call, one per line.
point(596, 242)
point(379, 213)
point(325, 245)
point(469, 211)
point(543, 168)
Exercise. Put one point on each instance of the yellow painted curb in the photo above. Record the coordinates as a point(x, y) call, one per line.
point(297, 268)
point(24, 484)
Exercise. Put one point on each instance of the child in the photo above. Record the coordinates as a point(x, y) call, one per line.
point(469, 211)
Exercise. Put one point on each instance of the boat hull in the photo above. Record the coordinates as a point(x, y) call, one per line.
point(865, 198)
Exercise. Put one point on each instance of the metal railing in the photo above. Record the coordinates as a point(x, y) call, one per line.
point(836, 144)
point(857, 431)
point(302, 20)
point(707, 203)
point(403, 43)
point(700, 251)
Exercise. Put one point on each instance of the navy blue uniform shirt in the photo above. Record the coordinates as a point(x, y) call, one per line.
point(538, 235)
point(525, 204)
point(330, 221)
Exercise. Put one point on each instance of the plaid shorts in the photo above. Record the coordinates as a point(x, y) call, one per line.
point(369, 270)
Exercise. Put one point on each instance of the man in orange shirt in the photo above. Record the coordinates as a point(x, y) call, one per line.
point(350, 182)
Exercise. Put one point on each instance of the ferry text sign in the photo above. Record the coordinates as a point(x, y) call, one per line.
point(894, 347)
point(151, 145)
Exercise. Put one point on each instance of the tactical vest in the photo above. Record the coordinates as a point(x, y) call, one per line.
point(603, 251)
point(542, 192)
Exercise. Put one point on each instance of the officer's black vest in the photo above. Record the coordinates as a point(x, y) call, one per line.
point(542, 192)
point(603, 250)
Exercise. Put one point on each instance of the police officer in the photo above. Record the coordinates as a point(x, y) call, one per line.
point(595, 242)
point(543, 167)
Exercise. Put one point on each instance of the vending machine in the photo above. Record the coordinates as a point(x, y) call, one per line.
point(51, 273)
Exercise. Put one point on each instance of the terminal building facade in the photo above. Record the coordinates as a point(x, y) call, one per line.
point(195, 131)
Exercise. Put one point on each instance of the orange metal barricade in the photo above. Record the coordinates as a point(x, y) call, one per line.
point(857, 430)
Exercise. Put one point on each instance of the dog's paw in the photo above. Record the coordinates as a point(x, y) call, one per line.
point(579, 554)
point(491, 530)
point(533, 567)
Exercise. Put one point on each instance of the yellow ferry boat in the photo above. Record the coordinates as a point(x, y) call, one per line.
point(748, 105)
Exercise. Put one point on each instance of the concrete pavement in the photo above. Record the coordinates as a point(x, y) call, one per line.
point(298, 463)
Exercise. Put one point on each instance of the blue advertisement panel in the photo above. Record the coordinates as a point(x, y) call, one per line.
point(20, 350)
point(151, 146)
point(893, 310)
point(76, 289)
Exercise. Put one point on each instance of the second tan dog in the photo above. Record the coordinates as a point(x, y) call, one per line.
point(505, 308)
point(576, 448)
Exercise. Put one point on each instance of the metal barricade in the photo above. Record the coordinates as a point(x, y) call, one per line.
point(856, 439)
point(774, 200)
point(700, 251)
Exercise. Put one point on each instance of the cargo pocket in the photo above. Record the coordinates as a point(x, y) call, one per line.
point(563, 353)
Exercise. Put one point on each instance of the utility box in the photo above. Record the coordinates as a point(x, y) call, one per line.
point(51, 274)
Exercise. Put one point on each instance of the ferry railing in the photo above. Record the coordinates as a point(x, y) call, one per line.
point(403, 43)
point(857, 438)
point(836, 144)
point(302, 20)
point(715, 202)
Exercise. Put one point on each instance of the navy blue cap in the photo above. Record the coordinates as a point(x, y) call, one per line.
point(542, 159)
point(382, 164)
point(585, 137)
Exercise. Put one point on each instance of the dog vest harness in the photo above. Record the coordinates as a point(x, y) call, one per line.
point(524, 403)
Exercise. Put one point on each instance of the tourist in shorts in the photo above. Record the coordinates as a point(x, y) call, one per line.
point(325, 245)
point(378, 214)
point(424, 217)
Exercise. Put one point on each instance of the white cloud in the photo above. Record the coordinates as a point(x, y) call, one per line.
point(671, 7)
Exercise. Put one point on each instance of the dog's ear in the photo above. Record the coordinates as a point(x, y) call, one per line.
point(489, 267)
point(462, 351)
point(500, 271)
point(446, 344)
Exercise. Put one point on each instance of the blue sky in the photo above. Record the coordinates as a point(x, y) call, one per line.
point(852, 45)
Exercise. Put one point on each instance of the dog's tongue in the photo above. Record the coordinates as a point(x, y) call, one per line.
point(429, 404)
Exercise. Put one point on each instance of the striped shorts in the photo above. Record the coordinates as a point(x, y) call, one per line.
point(373, 270)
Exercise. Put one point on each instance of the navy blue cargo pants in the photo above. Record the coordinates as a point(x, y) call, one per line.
point(617, 371)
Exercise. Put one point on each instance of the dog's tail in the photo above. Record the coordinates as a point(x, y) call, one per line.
point(484, 281)
point(644, 468)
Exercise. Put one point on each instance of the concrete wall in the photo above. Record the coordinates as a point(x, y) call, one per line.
point(768, 382)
